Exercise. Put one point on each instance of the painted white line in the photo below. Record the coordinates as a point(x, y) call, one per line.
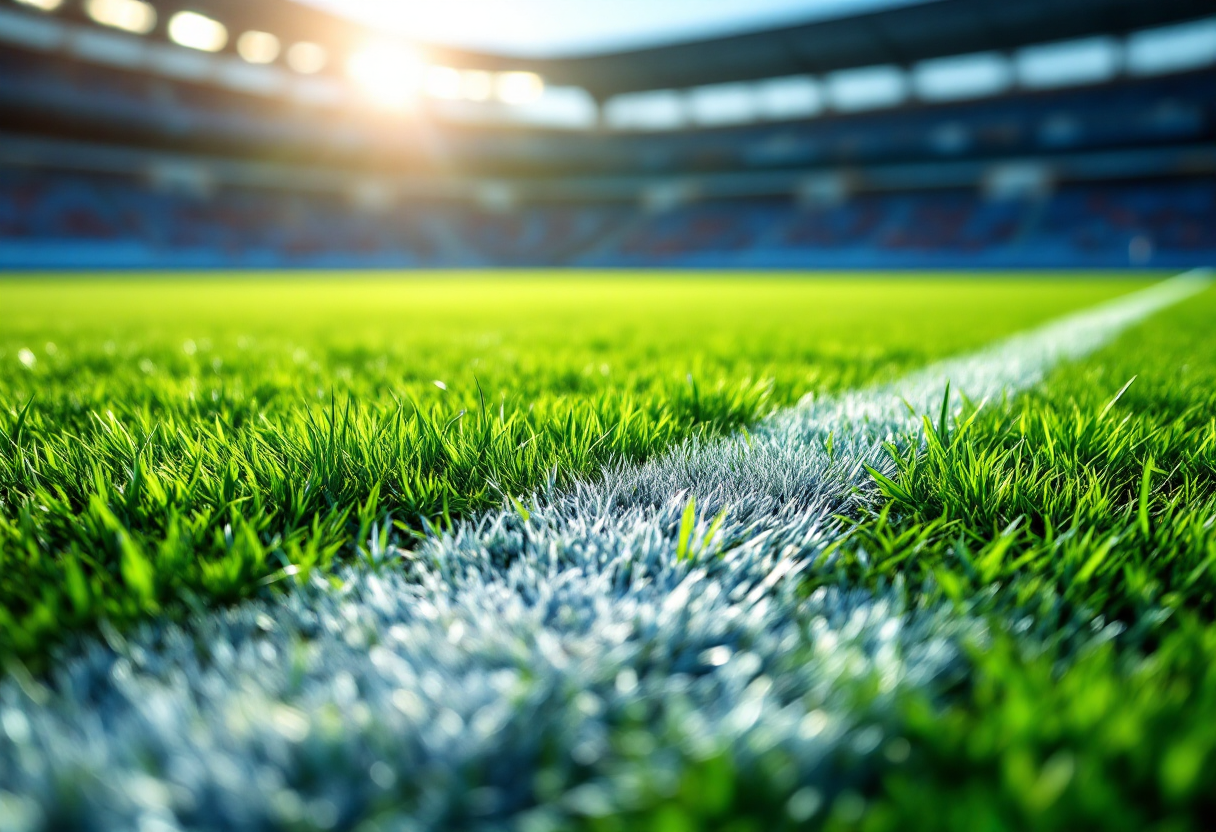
point(581, 656)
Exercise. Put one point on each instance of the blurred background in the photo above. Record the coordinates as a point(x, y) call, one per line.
point(769, 133)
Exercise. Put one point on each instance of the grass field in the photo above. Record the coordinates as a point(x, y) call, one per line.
point(176, 446)
point(179, 441)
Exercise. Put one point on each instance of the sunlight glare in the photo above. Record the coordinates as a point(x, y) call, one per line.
point(389, 75)
point(477, 85)
point(519, 87)
point(444, 82)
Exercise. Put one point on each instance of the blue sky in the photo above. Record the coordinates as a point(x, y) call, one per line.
point(542, 28)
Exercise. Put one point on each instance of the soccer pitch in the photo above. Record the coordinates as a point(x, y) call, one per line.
point(568, 551)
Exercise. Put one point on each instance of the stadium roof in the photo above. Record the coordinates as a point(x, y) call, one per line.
point(901, 35)
point(561, 28)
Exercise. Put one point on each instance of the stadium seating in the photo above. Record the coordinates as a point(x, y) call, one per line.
point(1160, 222)
point(71, 218)
point(1119, 182)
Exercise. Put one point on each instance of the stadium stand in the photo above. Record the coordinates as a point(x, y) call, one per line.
point(113, 161)
point(1112, 224)
point(87, 219)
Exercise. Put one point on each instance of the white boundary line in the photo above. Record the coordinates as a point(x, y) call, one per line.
point(513, 640)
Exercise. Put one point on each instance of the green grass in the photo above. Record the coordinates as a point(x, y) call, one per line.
point(172, 444)
point(1085, 507)
point(1097, 490)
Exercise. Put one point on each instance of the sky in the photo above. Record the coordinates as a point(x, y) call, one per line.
point(555, 28)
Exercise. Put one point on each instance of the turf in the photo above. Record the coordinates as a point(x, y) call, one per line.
point(1066, 539)
point(1099, 487)
point(174, 444)
point(1085, 510)
point(1093, 500)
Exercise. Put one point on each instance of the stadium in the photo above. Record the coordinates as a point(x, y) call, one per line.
point(947, 134)
point(540, 416)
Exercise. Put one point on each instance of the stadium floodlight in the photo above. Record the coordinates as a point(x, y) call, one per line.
point(307, 58)
point(794, 96)
point(652, 110)
point(962, 76)
point(719, 104)
point(388, 74)
point(258, 47)
point(197, 31)
point(444, 82)
point(519, 87)
point(477, 85)
point(133, 16)
point(1062, 64)
point(1172, 48)
point(42, 5)
point(867, 88)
